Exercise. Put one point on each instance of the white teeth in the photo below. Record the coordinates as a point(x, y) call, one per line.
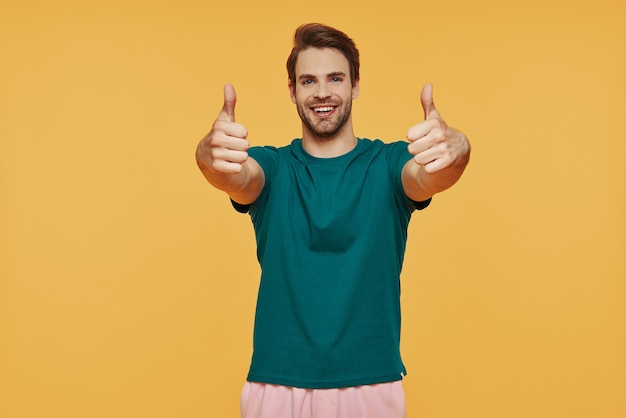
point(323, 109)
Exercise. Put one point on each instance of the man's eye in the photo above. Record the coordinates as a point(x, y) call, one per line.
point(336, 79)
point(307, 82)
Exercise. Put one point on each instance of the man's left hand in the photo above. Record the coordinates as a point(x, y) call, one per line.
point(433, 143)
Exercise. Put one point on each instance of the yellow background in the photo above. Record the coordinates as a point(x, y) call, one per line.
point(128, 284)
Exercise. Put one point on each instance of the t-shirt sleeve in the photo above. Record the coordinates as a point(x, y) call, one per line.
point(422, 205)
point(240, 207)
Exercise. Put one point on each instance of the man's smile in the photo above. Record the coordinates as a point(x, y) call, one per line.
point(325, 110)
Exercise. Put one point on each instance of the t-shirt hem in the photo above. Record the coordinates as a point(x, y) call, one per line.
point(326, 384)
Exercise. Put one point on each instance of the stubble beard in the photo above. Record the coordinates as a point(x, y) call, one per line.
point(325, 128)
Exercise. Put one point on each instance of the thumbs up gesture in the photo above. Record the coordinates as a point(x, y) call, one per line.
point(225, 148)
point(433, 143)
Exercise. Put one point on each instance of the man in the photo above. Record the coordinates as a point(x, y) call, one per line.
point(330, 212)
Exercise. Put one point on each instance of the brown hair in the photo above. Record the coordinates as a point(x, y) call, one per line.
point(316, 35)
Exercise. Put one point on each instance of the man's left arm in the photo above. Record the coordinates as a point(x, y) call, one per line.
point(440, 153)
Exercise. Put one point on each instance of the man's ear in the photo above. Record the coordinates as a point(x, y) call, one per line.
point(292, 91)
point(356, 89)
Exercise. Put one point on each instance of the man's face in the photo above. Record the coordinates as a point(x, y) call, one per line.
point(323, 91)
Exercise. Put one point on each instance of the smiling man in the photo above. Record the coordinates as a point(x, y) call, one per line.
point(330, 213)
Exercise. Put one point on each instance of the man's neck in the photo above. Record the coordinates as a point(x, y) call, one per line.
point(329, 147)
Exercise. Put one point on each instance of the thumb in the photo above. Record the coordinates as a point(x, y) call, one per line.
point(228, 110)
point(427, 102)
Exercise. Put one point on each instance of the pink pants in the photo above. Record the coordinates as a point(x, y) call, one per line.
point(262, 400)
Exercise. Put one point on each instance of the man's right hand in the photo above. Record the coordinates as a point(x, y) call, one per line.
point(225, 148)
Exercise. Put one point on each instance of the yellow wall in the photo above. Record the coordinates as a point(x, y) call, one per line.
point(128, 284)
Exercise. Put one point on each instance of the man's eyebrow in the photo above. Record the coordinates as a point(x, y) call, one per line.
point(311, 76)
point(306, 76)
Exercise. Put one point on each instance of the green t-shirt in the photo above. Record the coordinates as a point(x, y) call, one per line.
point(331, 235)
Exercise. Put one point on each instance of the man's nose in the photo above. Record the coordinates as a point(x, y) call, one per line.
point(322, 91)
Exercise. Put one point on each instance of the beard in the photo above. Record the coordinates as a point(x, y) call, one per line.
point(325, 127)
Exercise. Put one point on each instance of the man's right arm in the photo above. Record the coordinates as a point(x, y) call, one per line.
point(222, 156)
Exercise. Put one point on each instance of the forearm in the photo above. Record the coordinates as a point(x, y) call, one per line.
point(420, 185)
point(437, 182)
point(243, 186)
